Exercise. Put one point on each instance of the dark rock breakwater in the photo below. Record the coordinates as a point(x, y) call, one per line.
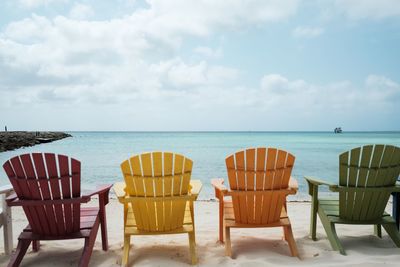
point(14, 140)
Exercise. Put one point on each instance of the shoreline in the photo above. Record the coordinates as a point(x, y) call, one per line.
point(18, 139)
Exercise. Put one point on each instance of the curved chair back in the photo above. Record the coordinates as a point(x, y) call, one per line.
point(365, 177)
point(258, 179)
point(160, 183)
point(38, 177)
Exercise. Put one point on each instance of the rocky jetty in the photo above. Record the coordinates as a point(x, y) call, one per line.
point(14, 140)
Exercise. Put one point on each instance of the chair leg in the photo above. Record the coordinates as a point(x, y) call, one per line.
point(103, 221)
point(332, 235)
point(393, 232)
point(35, 245)
point(19, 253)
point(314, 210)
point(89, 244)
point(221, 220)
point(127, 246)
point(378, 230)
point(396, 208)
point(285, 237)
point(192, 245)
point(290, 239)
point(228, 248)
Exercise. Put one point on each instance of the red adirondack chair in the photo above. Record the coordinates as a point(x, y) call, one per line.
point(48, 187)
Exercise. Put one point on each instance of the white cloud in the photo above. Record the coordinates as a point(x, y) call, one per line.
point(379, 95)
point(126, 73)
point(363, 9)
point(66, 48)
point(307, 32)
point(209, 52)
point(37, 3)
point(81, 11)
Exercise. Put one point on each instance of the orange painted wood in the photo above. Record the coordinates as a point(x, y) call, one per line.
point(241, 180)
point(260, 178)
point(259, 182)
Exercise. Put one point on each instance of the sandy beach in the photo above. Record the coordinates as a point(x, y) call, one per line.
point(251, 247)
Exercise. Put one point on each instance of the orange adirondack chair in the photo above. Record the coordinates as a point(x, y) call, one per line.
point(259, 180)
point(48, 187)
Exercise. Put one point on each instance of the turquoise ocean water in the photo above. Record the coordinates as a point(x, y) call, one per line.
point(102, 152)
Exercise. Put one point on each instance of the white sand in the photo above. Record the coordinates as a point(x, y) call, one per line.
point(251, 247)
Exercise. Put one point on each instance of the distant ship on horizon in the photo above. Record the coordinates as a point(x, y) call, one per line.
point(338, 130)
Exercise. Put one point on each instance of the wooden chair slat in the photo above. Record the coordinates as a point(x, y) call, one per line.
point(260, 178)
point(64, 172)
point(26, 193)
point(45, 189)
point(35, 192)
point(362, 182)
point(51, 165)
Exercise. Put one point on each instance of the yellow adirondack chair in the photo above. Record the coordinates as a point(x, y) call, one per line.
point(259, 180)
point(158, 197)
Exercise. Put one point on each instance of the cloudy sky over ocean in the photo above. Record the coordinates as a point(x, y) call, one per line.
point(200, 65)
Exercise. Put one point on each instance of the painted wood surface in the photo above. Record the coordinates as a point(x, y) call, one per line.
point(259, 184)
point(367, 177)
point(158, 197)
point(47, 186)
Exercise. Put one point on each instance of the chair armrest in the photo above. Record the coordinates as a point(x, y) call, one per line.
point(34, 203)
point(195, 187)
point(11, 197)
point(101, 189)
point(6, 189)
point(220, 189)
point(396, 188)
point(313, 184)
point(218, 184)
point(119, 190)
point(293, 184)
point(316, 181)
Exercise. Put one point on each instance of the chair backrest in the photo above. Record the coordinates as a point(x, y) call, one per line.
point(159, 181)
point(259, 178)
point(363, 172)
point(46, 176)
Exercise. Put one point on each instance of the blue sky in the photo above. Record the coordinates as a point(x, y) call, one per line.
point(200, 65)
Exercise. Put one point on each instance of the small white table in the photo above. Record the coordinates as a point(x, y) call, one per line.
point(5, 218)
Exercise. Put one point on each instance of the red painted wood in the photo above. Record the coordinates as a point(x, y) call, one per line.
point(66, 192)
point(35, 191)
point(36, 203)
point(76, 190)
point(23, 185)
point(54, 211)
point(50, 160)
point(45, 189)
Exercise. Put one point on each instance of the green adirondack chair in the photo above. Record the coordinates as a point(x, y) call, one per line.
point(367, 177)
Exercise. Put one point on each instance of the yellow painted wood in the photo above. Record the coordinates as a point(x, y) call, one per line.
point(168, 184)
point(147, 167)
point(158, 183)
point(158, 197)
point(126, 170)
